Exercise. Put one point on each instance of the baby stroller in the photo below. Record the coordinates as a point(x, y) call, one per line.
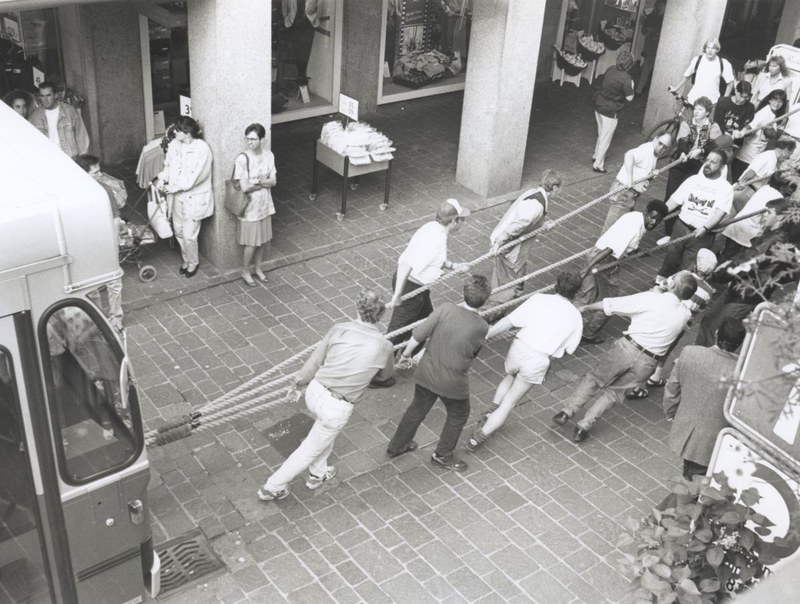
point(133, 236)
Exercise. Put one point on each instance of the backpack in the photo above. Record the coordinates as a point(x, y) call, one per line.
point(722, 83)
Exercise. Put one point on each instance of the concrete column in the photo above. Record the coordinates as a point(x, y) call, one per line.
point(230, 46)
point(361, 52)
point(687, 25)
point(504, 48)
point(789, 27)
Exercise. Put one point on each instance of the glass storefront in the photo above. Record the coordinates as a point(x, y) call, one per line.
point(306, 58)
point(30, 52)
point(426, 47)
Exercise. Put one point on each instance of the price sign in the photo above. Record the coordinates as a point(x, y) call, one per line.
point(186, 105)
point(348, 106)
point(38, 76)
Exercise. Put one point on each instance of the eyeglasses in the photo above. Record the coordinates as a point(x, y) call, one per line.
point(251, 139)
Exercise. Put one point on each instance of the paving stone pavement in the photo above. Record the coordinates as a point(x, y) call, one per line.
point(535, 518)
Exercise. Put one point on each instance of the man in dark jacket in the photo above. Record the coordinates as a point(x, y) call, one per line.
point(694, 396)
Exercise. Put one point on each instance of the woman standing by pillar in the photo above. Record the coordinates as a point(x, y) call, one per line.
point(616, 89)
point(255, 171)
point(186, 179)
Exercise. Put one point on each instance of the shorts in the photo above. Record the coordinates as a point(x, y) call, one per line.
point(526, 363)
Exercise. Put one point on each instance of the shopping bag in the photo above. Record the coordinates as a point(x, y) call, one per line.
point(236, 200)
point(157, 213)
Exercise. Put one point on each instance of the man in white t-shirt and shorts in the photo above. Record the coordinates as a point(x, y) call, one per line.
point(549, 327)
point(705, 199)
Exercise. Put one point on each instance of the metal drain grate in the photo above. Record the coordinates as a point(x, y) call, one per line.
point(184, 561)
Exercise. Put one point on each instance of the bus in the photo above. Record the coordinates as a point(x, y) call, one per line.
point(74, 523)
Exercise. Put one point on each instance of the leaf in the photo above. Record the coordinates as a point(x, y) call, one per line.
point(653, 583)
point(667, 598)
point(631, 524)
point(715, 556)
point(762, 520)
point(689, 587)
point(750, 496)
point(681, 572)
point(705, 534)
point(731, 518)
point(709, 586)
point(746, 539)
point(747, 573)
point(624, 540)
point(762, 531)
point(696, 546)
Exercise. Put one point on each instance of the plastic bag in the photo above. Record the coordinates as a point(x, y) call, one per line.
point(157, 213)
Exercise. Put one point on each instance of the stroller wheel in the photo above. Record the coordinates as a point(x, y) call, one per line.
point(148, 273)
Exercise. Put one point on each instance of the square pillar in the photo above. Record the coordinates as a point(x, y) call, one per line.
point(789, 27)
point(687, 25)
point(498, 94)
point(230, 50)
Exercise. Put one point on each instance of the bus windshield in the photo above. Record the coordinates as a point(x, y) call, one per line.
point(92, 404)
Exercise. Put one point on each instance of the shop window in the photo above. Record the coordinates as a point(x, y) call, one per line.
point(306, 51)
point(426, 47)
point(30, 52)
point(749, 29)
point(92, 403)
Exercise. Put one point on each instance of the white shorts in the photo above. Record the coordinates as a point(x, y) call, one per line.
point(526, 363)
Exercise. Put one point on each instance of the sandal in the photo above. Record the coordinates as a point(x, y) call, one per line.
point(659, 383)
point(638, 392)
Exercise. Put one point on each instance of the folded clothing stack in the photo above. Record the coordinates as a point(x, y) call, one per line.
point(359, 141)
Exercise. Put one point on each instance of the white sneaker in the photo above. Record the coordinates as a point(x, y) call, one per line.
point(664, 240)
point(314, 482)
point(265, 494)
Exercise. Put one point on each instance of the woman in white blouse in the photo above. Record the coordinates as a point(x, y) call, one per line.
point(774, 76)
point(255, 171)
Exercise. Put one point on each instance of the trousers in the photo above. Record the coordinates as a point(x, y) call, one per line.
point(457, 415)
point(683, 255)
point(624, 358)
point(186, 232)
point(619, 204)
point(605, 132)
point(330, 417)
point(409, 311)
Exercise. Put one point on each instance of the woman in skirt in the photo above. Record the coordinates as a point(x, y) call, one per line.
point(255, 171)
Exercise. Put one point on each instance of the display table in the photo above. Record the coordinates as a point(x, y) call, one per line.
point(341, 165)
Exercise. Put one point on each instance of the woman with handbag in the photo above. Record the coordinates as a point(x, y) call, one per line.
point(186, 179)
point(255, 172)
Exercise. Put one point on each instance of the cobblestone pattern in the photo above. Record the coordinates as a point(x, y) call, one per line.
point(534, 519)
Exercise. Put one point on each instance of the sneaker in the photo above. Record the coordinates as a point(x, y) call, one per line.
point(472, 444)
point(449, 463)
point(265, 494)
point(664, 240)
point(314, 482)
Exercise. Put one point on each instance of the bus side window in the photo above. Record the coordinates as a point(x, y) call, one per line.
point(95, 423)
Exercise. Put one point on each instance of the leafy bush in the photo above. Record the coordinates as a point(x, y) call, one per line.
point(699, 546)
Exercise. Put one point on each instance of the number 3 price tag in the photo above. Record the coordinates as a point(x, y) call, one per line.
point(186, 105)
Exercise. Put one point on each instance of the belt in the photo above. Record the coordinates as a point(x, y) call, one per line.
point(652, 355)
point(336, 395)
point(687, 225)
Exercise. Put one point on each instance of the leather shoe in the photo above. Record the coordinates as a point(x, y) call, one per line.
point(182, 271)
point(191, 273)
point(387, 383)
point(561, 418)
point(580, 435)
point(600, 170)
point(406, 448)
point(449, 463)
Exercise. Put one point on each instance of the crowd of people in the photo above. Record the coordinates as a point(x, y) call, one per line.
point(737, 158)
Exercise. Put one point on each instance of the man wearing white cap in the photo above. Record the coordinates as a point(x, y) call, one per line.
point(422, 263)
point(521, 218)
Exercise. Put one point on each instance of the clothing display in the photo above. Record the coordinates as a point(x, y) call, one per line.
point(361, 142)
point(418, 68)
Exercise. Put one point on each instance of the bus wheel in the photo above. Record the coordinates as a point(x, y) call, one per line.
point(148, 273)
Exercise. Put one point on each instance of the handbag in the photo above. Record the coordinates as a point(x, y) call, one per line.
point(157, 212)
point(236, 200)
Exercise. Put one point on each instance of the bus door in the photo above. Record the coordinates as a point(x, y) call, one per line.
point(99, 443)
point(24, 564)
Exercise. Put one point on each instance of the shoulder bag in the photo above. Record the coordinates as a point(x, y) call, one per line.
point(236, 200)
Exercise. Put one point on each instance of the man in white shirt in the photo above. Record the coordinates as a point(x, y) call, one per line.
point(549, 327)
point(622, 238)
point(522, 217)
point(705, 72)
point(705, 199)
point(420, 264)
point(639, 163)
point(764, 165)
point(657, 318)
